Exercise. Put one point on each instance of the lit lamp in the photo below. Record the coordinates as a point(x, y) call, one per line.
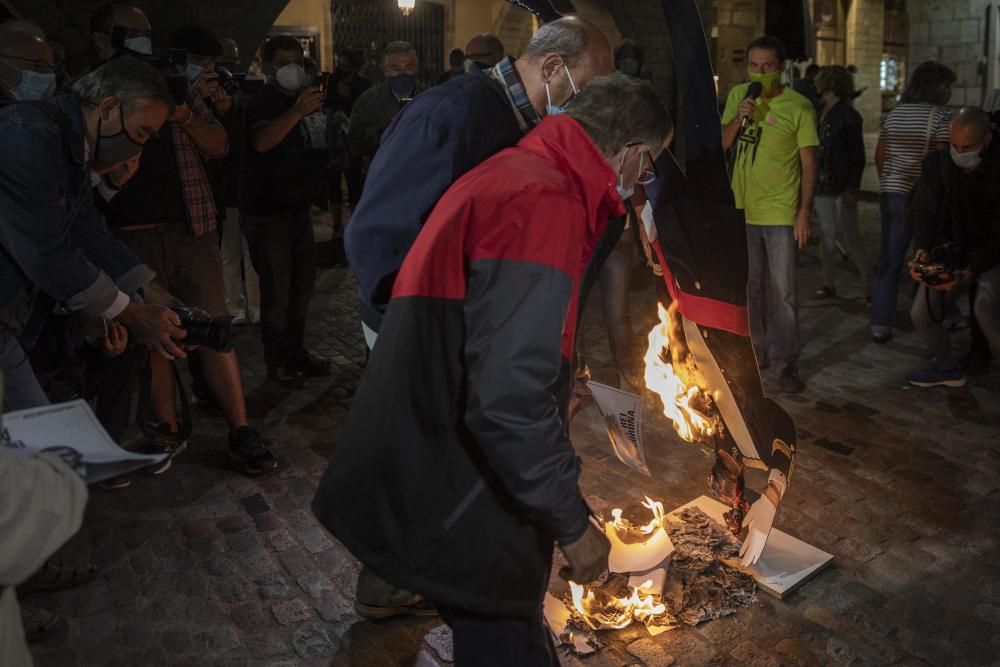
point(406, 6)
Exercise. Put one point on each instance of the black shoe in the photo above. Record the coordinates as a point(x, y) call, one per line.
point(248, 450)
point(309, 364)
point(790, 381)
point(285, 377)
point(881, 338)
point(161, 439)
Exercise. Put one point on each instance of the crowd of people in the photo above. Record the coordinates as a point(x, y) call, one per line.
point(150, 202)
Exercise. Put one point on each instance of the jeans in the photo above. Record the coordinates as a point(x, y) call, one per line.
point(283, 251)
point(484, 640)
point(614, 280)
point(930, 307)
point(774, 308)
point(833, 213)
point(19, 388)
point(896, 235)
point(242, 281)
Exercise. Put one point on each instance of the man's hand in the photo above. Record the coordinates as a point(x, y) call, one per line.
point(222, 101)
point(951, 282)
point(310, 99)
point(588, 556)
point(802, 228)
point(116, 341)
point(120, 175)
point(156, 327)
point(746, 108)
point(182, 114)
point(851, 198)
point(207, 84)
point(758, 523)
point(919, 257)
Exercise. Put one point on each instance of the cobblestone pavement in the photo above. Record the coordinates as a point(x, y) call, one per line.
point(206, 567)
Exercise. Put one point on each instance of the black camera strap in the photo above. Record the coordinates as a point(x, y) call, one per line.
point(184, 425)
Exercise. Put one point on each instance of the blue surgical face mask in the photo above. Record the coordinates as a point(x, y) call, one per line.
point(34, 86)
point(402, 84)
point(969, 160)
point(143, 45)
point(192, 72)
point(552, 109)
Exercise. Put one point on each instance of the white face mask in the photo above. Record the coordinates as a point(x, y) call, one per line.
point(969, 160)
point(291, 76)
point(143, 45)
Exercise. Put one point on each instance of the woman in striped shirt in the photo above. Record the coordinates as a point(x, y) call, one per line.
point(918, 125)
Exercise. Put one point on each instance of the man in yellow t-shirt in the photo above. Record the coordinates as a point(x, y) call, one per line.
point(774, 176)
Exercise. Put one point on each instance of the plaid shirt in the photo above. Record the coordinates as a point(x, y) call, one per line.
point(505, 74)
point(198, 197)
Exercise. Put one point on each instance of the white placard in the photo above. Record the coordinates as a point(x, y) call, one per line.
point(622, 413)
point(72, 431)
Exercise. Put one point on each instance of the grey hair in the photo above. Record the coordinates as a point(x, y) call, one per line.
point(616, 110)
point(127, 78)
point(395, 48)
point(567, 38)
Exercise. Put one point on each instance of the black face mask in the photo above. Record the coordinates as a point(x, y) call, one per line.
point(118, 147)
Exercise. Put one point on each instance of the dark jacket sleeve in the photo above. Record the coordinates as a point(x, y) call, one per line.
point(855, 143)
point(33, 228)
point(514, 314)
point(928, 201)
point(368, 121)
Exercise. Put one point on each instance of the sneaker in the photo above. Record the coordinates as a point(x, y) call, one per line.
point(162, 440)
point(309, 364)
point(825, 292)
point(790, 381)
point(881, 337)
point(420, 607)
point(932, 376)
point(248, 450)
point(285, 377)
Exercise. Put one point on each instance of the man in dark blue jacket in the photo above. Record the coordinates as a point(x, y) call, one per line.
point(448, 130)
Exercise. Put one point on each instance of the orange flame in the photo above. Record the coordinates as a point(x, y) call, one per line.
point(675, 394)
point(613, 613)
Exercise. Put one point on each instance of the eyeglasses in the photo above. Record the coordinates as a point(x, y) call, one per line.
point(35, 64)
point(646, 176)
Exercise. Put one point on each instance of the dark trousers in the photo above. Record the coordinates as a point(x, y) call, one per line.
point(483, 640)
point(111, 383)
point(283, 251)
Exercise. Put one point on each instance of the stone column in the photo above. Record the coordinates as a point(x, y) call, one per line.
point(864, 50)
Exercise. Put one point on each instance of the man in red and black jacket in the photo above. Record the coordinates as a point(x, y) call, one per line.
point(470, 476)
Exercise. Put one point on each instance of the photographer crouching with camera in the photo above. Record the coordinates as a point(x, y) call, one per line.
point(957, 239)
point(168, 217)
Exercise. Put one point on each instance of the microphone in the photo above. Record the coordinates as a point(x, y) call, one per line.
point(753, 92)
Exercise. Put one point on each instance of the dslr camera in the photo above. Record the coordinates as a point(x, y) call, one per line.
point(235, 82)
point(211, 332)
point(945, 261)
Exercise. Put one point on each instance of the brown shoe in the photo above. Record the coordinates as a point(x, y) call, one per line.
point(371, 612)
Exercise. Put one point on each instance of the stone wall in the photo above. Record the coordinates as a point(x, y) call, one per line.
point(951, 32)
point(864, 49)
point(737, 23)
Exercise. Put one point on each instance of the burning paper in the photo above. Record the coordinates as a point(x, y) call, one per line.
point(667, 365)
point(622, 413)
point(558, 616)
point(638, 548)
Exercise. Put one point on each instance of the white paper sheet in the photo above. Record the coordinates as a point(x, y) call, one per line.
point(556, 616)
point(73, 431)
point(622, 413)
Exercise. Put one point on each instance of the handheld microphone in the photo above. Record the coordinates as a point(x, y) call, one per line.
point(753, 92)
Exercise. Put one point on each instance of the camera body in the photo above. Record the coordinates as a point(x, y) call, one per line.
point(945, 260)
point(211, 332)
point(236, 82)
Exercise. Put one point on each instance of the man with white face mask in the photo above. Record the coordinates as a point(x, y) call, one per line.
point(277, 188)
point(956, 231)
point(118, 25)
point(27, 67)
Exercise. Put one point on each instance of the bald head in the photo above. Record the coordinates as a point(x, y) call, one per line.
point(562, 57)
point(485, 49)
point(970, 130)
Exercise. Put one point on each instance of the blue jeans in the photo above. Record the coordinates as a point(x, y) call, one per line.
point(896, 235)
point(19, 387)
point(774, 321)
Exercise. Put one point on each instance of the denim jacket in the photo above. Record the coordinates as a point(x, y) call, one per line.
point(52, 239)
